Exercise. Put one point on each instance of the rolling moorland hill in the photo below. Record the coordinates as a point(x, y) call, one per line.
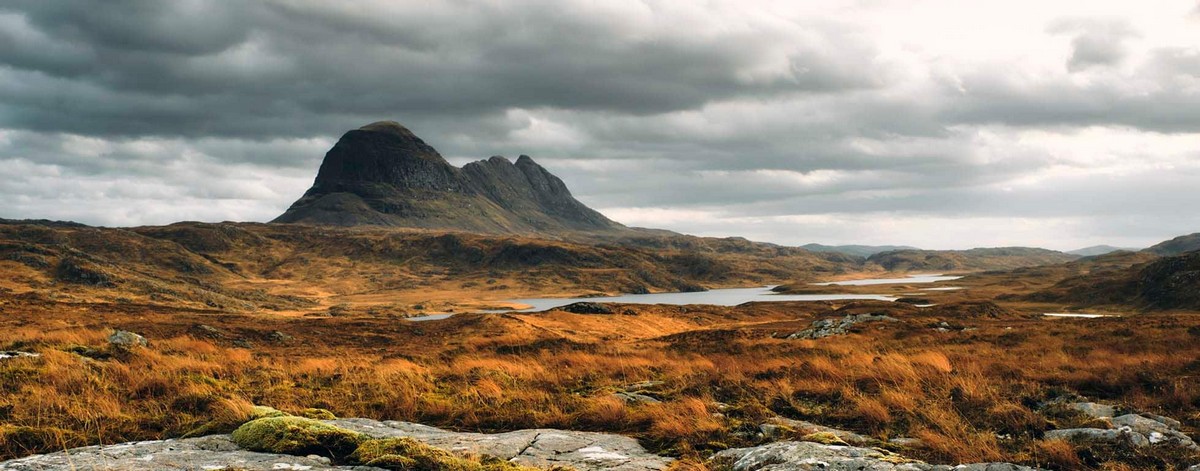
point(1178, 245)
point(967, 260)
point(1167, 283)
point(857, 250)
point(1099, 250)
point(274, 267)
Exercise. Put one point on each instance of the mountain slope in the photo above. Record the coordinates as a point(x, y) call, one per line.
point(1178, 245)
point(383, 175)
point(1166, 283)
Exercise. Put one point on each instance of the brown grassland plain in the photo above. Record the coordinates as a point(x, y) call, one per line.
point(972, 393)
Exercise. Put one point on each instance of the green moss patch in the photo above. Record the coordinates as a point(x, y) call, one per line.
point(406, 454)
point(317, 414)
point(297, 436)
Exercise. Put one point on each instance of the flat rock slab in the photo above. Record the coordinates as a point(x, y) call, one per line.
point(189, 454)
point(807, 456)
point(583, 451)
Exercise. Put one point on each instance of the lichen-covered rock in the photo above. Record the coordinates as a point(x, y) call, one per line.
point(297, 436)
point(317, 414)
point(1099, 436)
point(212, 452)
point(829, 327)
point(810, 456)
point(1156, 432)
point(406, 454)
point(1094, 409)
point(546, 449)
point(776, 426)
point(126, 340)
point(9, 354)
point(542, 448)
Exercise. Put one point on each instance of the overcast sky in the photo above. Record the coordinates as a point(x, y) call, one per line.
point(939, 124)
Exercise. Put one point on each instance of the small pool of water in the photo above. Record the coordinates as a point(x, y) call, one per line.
point(917, 278)
point(430, 317)
point(1081, 315)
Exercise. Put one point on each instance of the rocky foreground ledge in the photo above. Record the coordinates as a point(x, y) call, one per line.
point(543, 448)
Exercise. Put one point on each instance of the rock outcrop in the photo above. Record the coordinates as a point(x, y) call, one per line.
point(546, 449)
point(830, 327)
point(583, 451)
point(805, 456)
point(382, 174)
point(1131, 429)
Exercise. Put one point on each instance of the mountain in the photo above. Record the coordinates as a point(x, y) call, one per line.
point(1099, 250)
point(1178, 245)
point(856, 250)
point(383, 175)
point(1001, 258)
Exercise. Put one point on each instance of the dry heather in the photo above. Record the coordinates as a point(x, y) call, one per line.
point(717, 373)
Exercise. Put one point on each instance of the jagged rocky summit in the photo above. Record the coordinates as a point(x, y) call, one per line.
point(382, 174)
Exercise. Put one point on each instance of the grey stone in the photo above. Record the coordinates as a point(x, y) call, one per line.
point(829, 327)
point(806, 428)
point(584, 451)
point(806, 456)
point(1099, 435)
point(7, 355)
point(127, 340)
point(634, 398)
point(213, 452)
point(1094, 410)
point(1156, 432)
point(906, 442)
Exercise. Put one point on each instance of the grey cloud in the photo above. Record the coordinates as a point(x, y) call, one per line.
point(278, 68)
point(141, 111)
point(1096, 42)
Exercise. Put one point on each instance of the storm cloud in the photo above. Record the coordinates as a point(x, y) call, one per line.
point(928, 123)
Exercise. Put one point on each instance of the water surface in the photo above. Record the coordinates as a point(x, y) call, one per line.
point(718, 297)
point(915, 278)
point(1082, 315)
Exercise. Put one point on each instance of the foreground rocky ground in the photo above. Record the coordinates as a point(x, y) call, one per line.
point(542, 448)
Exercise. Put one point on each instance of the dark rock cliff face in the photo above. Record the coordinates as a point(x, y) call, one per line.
point(383, 174)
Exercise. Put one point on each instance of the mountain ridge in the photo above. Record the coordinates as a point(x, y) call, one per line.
point(382, 174)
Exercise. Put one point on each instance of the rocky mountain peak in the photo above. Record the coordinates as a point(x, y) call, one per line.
point(383, 174)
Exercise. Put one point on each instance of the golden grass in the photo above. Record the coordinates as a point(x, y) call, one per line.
point(955, 393)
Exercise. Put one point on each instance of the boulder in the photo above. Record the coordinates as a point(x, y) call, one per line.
point(1119, 436)
point(829, 327)
point(126, 340)
point(6, 355)
point(1094, 410)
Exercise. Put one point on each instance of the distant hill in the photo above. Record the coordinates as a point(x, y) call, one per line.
point(1178, 245)
point(1099, 250)
point(287, 267)
point(964, 260)
point(384, 175)
point(1165, 283)
point(856, 250)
